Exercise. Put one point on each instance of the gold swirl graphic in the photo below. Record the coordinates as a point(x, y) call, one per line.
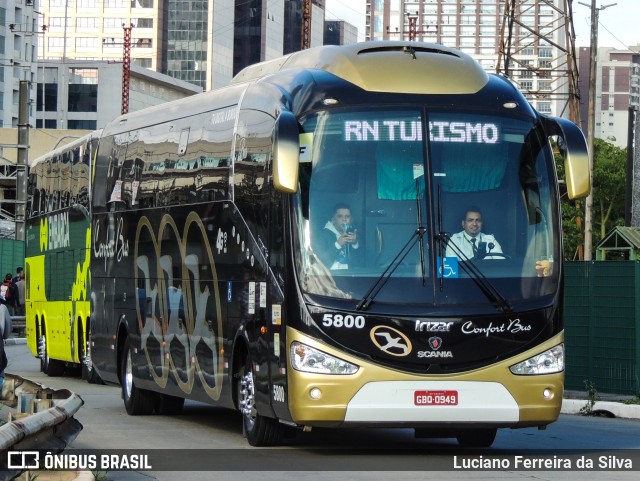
point(177, 298)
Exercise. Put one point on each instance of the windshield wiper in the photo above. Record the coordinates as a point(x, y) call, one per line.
point(475, 274)
point(368, 298)
point(470, 268)
point(420, 227)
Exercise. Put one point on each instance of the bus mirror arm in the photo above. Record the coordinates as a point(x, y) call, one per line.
point(286, 153)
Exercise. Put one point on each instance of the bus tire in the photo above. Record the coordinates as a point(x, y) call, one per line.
point(51, 367)
point(88, 372)
point(258, 429)
point(137, 401)
point(169, 405)
point(477, 438)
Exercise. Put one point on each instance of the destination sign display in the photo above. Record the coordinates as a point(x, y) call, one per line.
point(411, 131)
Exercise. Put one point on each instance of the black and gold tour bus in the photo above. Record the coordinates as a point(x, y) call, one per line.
point(208, 280)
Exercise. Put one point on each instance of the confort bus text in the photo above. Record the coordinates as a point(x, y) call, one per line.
point(393, 130)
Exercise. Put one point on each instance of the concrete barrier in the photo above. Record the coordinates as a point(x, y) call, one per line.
point(614, 409)
point(41, 418)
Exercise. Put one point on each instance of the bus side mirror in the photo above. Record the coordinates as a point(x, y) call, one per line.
point(576, 155)
point(286, 153)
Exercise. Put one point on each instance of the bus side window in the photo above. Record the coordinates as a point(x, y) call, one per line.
point(33, 193)
point(112, 150)
point(214, 151)
point(251, 178)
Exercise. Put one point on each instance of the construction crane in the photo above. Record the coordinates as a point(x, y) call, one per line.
point(306, 24)
point(412, 32)
point(542, 77)
point(126, 68)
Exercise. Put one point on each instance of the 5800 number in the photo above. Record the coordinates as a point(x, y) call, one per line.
point(338, 320)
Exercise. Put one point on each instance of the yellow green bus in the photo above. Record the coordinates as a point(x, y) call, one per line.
point(58, 238)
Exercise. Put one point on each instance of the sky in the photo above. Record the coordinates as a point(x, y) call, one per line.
point(618, 23)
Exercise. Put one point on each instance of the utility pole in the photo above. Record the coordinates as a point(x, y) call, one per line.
point(591, 124)
point(22, 159)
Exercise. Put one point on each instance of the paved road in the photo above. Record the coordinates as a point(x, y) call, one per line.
point(202, 428)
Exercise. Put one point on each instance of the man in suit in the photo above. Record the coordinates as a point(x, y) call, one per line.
point(471, 242)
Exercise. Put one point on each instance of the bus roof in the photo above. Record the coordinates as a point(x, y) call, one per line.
point(67, 146)
point(384, 66)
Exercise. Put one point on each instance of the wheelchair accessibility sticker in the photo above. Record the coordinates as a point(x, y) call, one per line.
point(448, 267)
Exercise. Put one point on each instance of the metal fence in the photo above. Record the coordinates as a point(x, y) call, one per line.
point(602, 326)
point(11, 256)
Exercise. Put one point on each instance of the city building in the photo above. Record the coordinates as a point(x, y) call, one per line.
point(617, 91)
point(293, 24)
point(339, 32)
point(204, 42)
point(476, 28)
point(80, 94)
point(20, 29)
point(93, 30)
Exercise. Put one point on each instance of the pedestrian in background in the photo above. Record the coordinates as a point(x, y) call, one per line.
point(8, 293)
point(20, 299)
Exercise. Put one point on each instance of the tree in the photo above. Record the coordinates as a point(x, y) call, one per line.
point(609, 184)
point(609, 188)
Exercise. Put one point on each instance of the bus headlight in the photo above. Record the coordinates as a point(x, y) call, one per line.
point(548, 362)
point(308, 359)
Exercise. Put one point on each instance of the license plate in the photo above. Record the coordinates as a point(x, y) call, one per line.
point(435, 398)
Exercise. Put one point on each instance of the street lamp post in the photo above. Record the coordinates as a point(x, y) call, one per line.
point(591, 121)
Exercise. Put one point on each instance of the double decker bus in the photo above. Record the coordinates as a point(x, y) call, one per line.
point(207, 281)
point(57, 243)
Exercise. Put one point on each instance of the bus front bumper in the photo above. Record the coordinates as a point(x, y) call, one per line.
point(378, 396)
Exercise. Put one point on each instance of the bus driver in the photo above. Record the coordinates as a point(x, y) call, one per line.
point(471, 242)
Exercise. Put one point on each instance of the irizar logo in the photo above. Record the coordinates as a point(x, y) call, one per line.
point(390, 341)
point(432, 326)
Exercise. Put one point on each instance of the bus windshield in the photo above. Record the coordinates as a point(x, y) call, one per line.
point(435, 205)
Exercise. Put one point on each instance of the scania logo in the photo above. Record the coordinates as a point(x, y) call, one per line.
point(435, 342)
point(391, 341)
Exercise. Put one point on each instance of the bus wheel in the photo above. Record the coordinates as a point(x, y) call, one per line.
point(477, 438)
point(136, 401)
point(51, 367)
point(169, 405)
point(259, 430)
point(88, 372)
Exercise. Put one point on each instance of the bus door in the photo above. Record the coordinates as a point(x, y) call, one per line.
point(58, 319)
point(251, 191)
point(106, 198)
